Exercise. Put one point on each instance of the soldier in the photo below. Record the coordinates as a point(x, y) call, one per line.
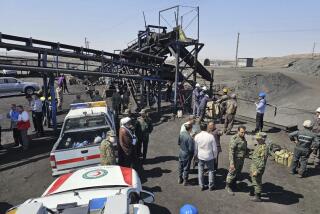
point(222, 103)
point(231, 110)
point(145, 128)
point(107, 153)
point(237, 154)
point(258, 164)
point(316, 130)
point(305, 141)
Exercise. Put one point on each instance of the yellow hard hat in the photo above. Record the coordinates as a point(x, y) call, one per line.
point(261, 135)
point(225, 90)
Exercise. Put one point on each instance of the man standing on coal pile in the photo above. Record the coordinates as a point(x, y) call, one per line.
point(186, 153)
point(145, 126)
point(116, 102)
point(260, 107)
point(258, 164)
point(305, 141)
point(237, 153)
point(196, 99)
point(203, 103)
point(316, 130)
point(206, 152)
point(127, 142)
point(231, 110)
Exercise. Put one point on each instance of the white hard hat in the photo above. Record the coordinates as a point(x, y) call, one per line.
point(233, 96)
point(198, 85)
point(97, 139)
point(307, 123)
point(318, 110)
point(125, 120)
point(204, 88)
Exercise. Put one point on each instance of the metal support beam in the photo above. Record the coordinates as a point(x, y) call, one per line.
point(53, 102)
point(176, 77)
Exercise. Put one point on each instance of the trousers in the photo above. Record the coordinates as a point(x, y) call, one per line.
point(210, 166)
point(259, 122)
point(233, 175)
point(228, 122)
point(257, 183)
point(184, 167)
point(300, 155)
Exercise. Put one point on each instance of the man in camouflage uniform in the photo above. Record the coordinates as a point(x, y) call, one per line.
point(222, 103)
point(316, 130)
point(237, 154)
point(305, 141)
point(258, 164)
point(107, 153)
point(231, 110)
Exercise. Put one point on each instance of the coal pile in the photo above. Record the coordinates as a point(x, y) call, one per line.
point(306, 66)
point(276, 85)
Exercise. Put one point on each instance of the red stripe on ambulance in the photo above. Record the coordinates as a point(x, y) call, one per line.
point(74, 160)
point(58, 183)
point(127, 175)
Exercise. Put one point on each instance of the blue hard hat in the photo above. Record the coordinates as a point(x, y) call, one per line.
point(188, 209)
point(262, 94)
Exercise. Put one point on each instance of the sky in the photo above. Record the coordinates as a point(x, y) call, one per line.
point(266, 27)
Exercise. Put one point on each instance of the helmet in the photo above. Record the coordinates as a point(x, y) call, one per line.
point(261, 135)
point(318, 110)
point(262, 94)
point(225, 90)
point(307, 124)
point(233, 96)
point(204, 88)
point(198, 85)
point(188, 209)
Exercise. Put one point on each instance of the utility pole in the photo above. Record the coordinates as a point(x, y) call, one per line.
point(314, 46)
point(237, 50)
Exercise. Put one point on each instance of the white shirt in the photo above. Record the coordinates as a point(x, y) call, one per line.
point(205, 146)
point(24, 116)
point(36, 105)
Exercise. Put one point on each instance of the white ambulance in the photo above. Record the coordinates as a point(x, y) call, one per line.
point(83, 129)
point(93, 190)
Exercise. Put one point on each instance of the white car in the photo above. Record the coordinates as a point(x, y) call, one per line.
point(76, 147)
point(98, 190)
point(8, 72)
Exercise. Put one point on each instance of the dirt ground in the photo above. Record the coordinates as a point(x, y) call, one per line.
point(27, 174)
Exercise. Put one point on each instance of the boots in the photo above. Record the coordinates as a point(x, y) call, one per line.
point(229, 190)
point(256, 198)
point(180, 180)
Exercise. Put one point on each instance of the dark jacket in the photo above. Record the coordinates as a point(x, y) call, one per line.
point(186, 144)
point(306, 139)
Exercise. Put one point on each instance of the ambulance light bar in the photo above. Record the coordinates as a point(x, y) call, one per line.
point(88, 105)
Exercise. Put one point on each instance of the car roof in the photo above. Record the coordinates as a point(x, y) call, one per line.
point(92, 177)
point(90, 111)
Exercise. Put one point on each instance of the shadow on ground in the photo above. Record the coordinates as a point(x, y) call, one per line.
point(4, 206)
point(160, 159)
point(156, 209)
point(277, 194)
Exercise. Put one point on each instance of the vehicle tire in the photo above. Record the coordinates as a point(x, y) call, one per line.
point(29, 90)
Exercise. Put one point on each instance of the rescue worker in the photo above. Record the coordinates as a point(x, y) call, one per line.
point(305, 141)
point(186, 152)
point(107, 153)
point(237, 154)
point(203, 104)
point(23, 125)
point(116, 102)
point(260, 108)
point(127, 141)
point(96, 97)
point(222, 103)
point(145, 125)
point(231, 110)
point(59, 93)
point(195, 99)
point(316, 130)
point(258, 164)
point(78, 99)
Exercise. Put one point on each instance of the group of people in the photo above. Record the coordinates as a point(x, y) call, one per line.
point(19, 124)
point(133, 141)
point(200, 142)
